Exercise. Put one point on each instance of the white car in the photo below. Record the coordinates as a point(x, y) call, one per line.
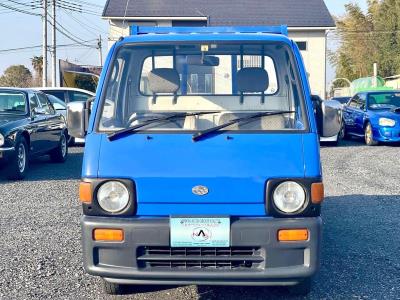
point(67, 94)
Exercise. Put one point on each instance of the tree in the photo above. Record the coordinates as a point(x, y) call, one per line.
point(16, 76)
point(37, 64)
point(365, 38)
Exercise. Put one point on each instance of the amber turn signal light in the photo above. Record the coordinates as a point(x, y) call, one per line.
point(85, 192)
point(317, 192)
point(108, 235)
point(292, 235)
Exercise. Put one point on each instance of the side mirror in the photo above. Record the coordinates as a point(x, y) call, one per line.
point(77, 119)
point(331, 118)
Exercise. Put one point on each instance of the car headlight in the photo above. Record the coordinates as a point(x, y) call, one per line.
point(387, 122)
point(113, 196)
point(1, 140)
point(289, 197)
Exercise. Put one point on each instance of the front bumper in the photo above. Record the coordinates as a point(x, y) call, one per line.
point(6, 153)
point(282, 263)
point(386, 134)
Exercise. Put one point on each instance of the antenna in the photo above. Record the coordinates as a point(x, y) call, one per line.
point(126, 8)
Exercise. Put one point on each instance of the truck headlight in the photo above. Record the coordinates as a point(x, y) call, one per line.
point(1, 140)
point(113, 196)
point(387, 122)
point(289, 197)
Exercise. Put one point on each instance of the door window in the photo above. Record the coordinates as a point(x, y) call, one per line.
point(58, 94)
point(45, 104)
point(355, 102)
point(77, 96)
point(33, 102)
point(361, 101)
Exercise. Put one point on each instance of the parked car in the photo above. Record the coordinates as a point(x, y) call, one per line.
point(67, 94)
point(207, 177)
point(342, 100)
point(58, 105)
point(374, 116)
point(29, 126)
point(61, 108)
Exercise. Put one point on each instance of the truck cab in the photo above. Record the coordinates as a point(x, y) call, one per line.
point(201, 162)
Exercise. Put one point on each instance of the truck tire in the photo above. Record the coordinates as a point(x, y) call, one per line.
point(301, 289)
point(59, 155)
point(19, 164)
point(111, 288)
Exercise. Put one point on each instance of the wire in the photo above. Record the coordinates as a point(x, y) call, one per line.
point(19, 10)
point(40, 46)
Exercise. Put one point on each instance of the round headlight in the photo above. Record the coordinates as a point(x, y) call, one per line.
point(1, 140)
point(289, 197)
point(113, 196)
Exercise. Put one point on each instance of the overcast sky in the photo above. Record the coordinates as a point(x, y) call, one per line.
point(22, 30)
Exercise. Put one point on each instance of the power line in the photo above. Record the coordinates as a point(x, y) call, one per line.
point(19, 10)
point(39, 46)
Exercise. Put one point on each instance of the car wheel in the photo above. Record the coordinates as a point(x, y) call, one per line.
point(19, 164)
point(59, 155)
point(343, 133)
point(111, 288)
point(368, 136)
point(301, 289)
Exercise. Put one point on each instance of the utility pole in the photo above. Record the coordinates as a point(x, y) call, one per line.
point(54, 47)
point(44, 20)
point(375, 78)
point(99, 47)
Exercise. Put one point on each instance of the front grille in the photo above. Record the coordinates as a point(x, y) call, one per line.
point(238, 258)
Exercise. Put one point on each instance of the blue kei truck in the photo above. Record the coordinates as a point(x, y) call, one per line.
point(201, 163)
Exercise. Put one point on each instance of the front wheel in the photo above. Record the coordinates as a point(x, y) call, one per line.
point(59, 155)
point(19, 164)
point(368, 136)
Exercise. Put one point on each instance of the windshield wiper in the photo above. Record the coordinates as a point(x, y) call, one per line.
point(199, 135)
point(133, 129)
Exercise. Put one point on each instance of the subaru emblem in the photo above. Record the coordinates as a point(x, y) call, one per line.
point(200, 190)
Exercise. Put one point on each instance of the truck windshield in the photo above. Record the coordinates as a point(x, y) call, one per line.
point(12, 103)
point(223, 82)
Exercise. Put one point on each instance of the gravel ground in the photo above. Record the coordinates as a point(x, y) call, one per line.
point(40, 252)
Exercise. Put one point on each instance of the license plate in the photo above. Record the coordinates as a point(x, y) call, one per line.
point(200, 232)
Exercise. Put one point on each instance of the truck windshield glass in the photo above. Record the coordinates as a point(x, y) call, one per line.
point(387, 100)
point(230, 81)
point(12, 102)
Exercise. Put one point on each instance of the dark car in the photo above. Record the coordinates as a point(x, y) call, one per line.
point(342, 100)
point(374, 115)
point(29, 126)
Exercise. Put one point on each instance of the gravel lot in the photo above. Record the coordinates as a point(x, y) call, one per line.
point(40, 252)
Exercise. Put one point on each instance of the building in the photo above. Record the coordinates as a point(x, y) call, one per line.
point(308, 22)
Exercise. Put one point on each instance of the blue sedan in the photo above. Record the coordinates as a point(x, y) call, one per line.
point(375, 116)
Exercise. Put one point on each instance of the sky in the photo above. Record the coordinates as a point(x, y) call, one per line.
point(21, 30)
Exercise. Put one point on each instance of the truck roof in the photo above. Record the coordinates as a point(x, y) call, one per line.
point(180, 34)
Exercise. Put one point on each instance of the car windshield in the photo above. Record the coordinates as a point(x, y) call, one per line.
point(12, 102)
point(222, 81)
point(386, 100)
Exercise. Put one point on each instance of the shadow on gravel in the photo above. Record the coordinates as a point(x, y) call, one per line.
point(41, 169)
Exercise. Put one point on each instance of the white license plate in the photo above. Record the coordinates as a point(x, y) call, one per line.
point(200, 232)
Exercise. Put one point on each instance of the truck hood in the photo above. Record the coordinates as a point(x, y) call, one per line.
point(166, 167)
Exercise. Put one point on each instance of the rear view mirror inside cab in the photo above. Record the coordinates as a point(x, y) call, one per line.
point(202, 60)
